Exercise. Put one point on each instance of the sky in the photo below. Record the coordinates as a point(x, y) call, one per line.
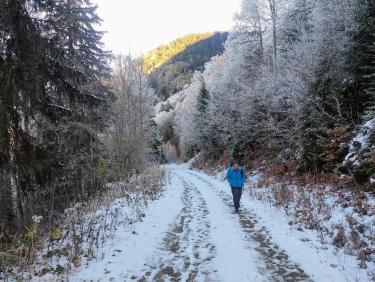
point(138, 26)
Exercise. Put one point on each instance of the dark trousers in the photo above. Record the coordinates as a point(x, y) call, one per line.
point(237, 193)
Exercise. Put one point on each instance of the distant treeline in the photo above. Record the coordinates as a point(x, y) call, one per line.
point(177, 68)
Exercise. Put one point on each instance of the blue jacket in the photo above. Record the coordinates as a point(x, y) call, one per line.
point(236, 178)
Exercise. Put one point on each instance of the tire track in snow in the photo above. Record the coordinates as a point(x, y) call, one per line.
point(278, 266)
point(186, 250)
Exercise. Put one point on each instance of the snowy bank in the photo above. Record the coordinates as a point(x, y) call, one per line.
point(83, 234)
point(329, 232)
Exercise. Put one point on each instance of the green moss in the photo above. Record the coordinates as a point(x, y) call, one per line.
point(102, 166)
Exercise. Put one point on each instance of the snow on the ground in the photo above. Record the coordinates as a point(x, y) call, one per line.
point(361, 140)
point(235, 259)
point(211, 244)
point(192, 234)
point(342, 217)
point(125, 256)
point(321, 261)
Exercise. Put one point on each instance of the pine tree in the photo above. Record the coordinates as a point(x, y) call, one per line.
point(320, 118)
point(365, 43)
point(155, 142)
point(201, 116)
point(78, 55)
point(370, 78)
point(360, 61)
point(334, 97)
point(20, 92)
point(51, 95)
point(367, 39)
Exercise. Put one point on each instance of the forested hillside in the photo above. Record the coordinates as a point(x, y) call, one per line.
point(174, 64)
point(68, 123)
point(163, 53)
point(295, 85)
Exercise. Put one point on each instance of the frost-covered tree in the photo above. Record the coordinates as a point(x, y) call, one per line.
point(130, 131)
point(185, 117)
point(251, 22)
point(290, 79)
point(328, 98)
point(297, 23)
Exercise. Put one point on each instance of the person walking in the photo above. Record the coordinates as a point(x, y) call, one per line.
point(236, 177)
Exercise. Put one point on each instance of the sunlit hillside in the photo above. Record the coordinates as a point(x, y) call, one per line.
point(173, 72)
point(163, 53)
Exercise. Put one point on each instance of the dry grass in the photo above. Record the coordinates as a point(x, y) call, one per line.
point(303, 198)
point(307, 206)
point(286, 172)
point(211, 167)
point(81, 231)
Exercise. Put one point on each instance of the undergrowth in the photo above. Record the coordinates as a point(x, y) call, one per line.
point(80, 233)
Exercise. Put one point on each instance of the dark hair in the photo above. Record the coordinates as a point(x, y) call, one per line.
point(235, 162)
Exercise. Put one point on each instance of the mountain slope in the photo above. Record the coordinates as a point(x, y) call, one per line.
point(174, 73)
point(163, 53)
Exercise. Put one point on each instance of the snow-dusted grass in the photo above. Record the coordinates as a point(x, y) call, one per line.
point(306, 223)
point(341, 217)
point(83, 231)
point(144, 250)
point(132, 244)
point(191, 231)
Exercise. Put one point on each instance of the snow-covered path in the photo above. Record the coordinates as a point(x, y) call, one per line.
point(192, 234)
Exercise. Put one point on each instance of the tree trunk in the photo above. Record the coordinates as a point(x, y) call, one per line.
point(274, 32)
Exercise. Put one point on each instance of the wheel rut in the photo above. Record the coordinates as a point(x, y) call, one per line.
point(186, 250)
point(276, 265)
